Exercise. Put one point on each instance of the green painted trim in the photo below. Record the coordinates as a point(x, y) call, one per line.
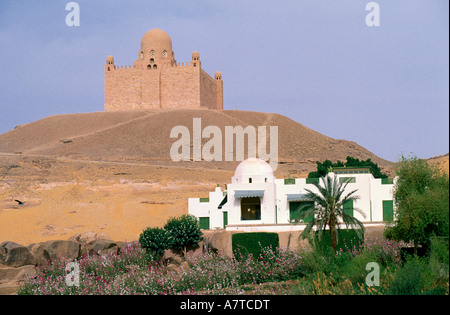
point(289, 181)
point(348, 207)
point(204, 223)
point(225, 219)
point(312, 180)
point(350, 180)
point(388, 210)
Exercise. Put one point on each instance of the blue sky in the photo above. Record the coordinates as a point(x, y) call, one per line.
point(314, 61)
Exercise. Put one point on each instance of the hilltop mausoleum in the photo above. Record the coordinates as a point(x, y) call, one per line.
point(156, 80)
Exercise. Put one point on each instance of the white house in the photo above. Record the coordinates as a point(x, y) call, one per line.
point(256, 201)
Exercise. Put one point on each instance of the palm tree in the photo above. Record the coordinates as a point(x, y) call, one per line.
point(328, 209)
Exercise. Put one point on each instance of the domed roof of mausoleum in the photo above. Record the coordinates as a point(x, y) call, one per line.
point(253, 167)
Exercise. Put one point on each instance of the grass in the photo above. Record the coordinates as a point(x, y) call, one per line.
point(315, 272)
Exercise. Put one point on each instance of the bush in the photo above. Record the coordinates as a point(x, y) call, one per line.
point(244, 244)
point(422, 204)
point(156, 240)
point(184, 231)
point(439, 250)
point(323, 168)
point(438, 267)
point(387, 253)
point(348, 241)
point(313, 261)
point(408, 279)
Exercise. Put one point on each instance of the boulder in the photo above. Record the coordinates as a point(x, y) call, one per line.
point(10, 274)
point(219, 241)
point(122, 245)
point(88, 237)
point(173, 257)
point(100, 247)
point(53, 250)
point(8, 288)
point(177, 269)
point(11, 278)
point(15, 255)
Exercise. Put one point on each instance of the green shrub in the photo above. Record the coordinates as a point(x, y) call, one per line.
point(407, 280)
point(348, 241)
point(422, 204)
point(185, 232)
point(355, 269)
point(312, 261)
point(244, 244)
point(323, 168)
point(439, 250)
point(155, 240)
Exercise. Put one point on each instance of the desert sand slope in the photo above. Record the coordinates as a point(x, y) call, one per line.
point(112, 172)
point(441, 162)
point(146, 136)
point(49, 131)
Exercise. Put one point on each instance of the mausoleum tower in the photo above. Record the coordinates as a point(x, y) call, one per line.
point(156, 80)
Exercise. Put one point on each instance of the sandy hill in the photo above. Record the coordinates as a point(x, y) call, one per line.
point(112, 173)
point(441, 162)
point(144, 136)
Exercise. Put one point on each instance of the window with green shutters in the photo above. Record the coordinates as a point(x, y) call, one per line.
point(294, 210)
point(225, 219)
point(312, 180)
point(204, 223)
point(388, 210)
point(344, 180)
point(348, 207)
point(289, 181)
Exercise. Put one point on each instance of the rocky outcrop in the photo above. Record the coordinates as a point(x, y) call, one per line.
point(11, 278)
point(87, 237)
point(18, 262)
point(15, 255)
point(53, 250)
point(218, 241)
point(100, 247)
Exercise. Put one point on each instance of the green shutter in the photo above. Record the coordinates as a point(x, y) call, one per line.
point(204, 223)
point(225, 219)
point(312, 180)
point(204, 199)
point(348, 207)
point(388, 210)
point(289, 181)
point(343, 180)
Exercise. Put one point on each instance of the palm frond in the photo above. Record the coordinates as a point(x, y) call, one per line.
point(329, 200)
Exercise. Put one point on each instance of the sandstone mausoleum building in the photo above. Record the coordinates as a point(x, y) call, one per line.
point(156, 80)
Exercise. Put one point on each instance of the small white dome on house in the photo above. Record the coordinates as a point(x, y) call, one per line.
point(253, 171)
